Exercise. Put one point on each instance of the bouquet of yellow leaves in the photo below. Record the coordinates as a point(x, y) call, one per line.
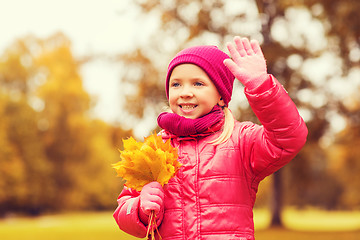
point(142, 163)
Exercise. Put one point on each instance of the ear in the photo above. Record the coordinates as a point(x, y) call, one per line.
point(221, 102)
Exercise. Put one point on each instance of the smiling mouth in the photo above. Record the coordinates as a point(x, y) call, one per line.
point(188, 107)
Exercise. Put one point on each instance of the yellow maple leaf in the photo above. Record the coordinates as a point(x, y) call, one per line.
point(142, 163)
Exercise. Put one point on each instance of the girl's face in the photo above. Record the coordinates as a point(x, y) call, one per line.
point(192, 94)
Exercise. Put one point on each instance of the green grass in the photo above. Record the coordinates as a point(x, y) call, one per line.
point(286, 234)
point(89, 226)
point(317, 220)
point(311, 220)
point(310, 224)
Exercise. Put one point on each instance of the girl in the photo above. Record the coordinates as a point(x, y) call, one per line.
point(223, 160)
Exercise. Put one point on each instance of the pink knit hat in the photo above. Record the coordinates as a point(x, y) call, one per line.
point(210, 59)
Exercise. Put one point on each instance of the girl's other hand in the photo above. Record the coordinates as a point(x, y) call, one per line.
point(151, 198)
point(248, 63)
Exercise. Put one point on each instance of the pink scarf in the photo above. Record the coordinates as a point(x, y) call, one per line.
point(181, 126)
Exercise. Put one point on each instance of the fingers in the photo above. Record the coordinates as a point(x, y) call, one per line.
point(152, 203)
point(247, 59)
point(243, 47)
point(247, 46)
point(256, 47)
point(239, 46)
point(235, 69)
point(154, 184)
point(235, 52)
point(152, 189)
point(151, 198)
point(232, 66)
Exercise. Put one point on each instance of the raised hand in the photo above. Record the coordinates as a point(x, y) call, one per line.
point(248, 63)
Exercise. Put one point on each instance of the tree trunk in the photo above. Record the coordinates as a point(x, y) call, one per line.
point(269, 9)
point(277, 200)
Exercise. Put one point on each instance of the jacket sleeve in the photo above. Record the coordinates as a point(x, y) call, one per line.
point(127, 213)
point(282, 134)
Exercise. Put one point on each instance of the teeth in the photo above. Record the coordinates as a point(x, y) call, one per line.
point(187, 106)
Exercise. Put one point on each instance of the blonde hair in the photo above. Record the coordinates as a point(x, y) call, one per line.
point(227, 129)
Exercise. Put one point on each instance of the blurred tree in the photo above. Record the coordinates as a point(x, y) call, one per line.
point(25, 138)
point(81, 150)
point(308, 173)
point(345, 165)
point(53, 156)
point(63, 115)
point(12, 168)
point(23, 164)
point(298, 38)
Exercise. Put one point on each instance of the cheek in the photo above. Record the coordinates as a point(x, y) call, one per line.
point(210, 97)
point(172, 100)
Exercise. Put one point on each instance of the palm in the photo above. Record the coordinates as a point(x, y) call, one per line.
point(247, 60)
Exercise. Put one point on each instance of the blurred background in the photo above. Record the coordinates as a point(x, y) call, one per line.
point(76, 77)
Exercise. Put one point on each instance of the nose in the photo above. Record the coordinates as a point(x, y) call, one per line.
point(186, 92)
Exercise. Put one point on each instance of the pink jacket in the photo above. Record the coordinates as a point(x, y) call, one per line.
point(213, 194)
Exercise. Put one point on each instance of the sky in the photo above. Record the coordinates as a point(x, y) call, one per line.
point(93, 26)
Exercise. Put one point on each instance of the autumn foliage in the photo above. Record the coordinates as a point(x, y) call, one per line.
point(142, 163)
point(53, 155)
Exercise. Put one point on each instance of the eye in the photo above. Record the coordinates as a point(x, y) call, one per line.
point(175, 84)
point(198, 84)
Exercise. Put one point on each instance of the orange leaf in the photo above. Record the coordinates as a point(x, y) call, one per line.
point(142, 163)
